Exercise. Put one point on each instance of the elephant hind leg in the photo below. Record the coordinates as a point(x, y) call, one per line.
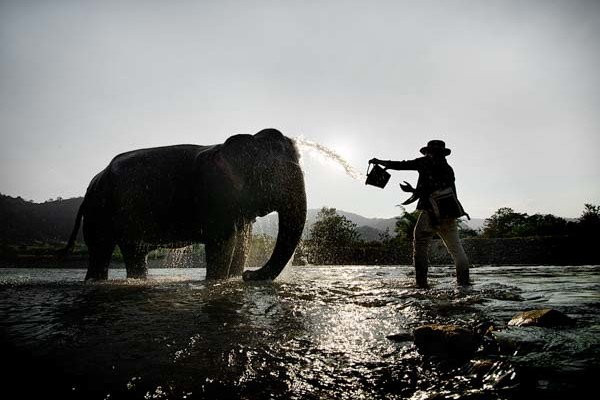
point(242, 247)
point(135, 258)
point(100, 255)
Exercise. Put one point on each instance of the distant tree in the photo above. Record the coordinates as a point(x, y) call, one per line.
point(506, 223)
point(503, 223)
point(591, 212)
point(332, 229)
point(330, 237)
point(385, 237)
point(589, 222)
point(542, 225)
point(405, 225)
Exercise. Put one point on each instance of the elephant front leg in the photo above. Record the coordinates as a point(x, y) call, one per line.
point(135, 258)
point(242, 248)
point(219, 254)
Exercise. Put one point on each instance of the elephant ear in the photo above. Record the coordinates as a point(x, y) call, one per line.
point(228, 171)
point(243, 154)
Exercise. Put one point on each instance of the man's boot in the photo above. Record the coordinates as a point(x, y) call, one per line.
point(462, 277)
point(421, 275)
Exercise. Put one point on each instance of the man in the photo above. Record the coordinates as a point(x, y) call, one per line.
point(439, 208)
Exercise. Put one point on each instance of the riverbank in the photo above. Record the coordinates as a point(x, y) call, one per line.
point(502, 251)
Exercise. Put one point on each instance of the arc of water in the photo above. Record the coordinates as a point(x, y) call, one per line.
point(314, 147)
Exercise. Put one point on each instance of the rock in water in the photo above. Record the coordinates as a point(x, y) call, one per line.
point(449, 341)
point(401, 337)
point(546, 317)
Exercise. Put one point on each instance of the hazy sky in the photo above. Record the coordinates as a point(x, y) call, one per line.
point(513, 87)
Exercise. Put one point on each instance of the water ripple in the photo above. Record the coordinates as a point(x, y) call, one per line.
point(318, 333)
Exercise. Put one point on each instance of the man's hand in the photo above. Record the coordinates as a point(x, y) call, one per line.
point(375, 161)
point(407, 187)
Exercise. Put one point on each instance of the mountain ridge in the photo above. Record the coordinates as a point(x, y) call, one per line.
point(368, 228)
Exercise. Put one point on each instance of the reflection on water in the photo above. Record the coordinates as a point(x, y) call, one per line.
point(318, 332)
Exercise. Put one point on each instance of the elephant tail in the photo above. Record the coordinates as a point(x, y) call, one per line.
point(62, 253)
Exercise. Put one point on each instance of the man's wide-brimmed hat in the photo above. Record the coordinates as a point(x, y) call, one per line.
point(436, 147)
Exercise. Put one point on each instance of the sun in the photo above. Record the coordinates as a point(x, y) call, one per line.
point(342, 145)
point(344, 149)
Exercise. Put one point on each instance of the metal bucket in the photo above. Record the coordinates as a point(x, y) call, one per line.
point(377, 176)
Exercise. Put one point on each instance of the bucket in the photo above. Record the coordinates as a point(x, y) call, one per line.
point(377, 176)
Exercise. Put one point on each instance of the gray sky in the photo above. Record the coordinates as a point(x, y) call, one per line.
point(511, 86)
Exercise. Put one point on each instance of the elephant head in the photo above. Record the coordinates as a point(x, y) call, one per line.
point(265, 176)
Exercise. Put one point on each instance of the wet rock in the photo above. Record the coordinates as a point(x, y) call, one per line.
point(448, 341)
point(401, 337)
point(519, 341)
point(546, 317)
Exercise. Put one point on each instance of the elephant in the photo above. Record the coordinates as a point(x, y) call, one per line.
point(174, 196)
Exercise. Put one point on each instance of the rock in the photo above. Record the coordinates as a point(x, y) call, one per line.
point(401, 337)
point(519, 341)
point(546, 317)
point(449, 341)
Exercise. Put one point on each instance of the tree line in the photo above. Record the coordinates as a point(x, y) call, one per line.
point(332, 236)
point(39, 229)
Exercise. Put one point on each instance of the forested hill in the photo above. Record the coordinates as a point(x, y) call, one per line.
point(25, 222)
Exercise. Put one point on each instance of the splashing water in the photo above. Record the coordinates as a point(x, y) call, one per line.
point(178, 257)
point(327, 154)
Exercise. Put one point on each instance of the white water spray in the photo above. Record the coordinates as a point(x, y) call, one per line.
point(177, 257)
point(328, 154)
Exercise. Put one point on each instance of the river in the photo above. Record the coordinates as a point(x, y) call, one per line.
point(315, 333)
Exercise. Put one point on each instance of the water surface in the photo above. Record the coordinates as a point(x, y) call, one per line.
point(316, 332)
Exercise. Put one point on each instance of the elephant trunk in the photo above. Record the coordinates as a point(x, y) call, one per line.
point(292, 216)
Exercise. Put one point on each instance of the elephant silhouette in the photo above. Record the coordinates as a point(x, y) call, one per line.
point(174, 196)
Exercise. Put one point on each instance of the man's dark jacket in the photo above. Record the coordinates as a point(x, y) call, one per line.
point(434, 174)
